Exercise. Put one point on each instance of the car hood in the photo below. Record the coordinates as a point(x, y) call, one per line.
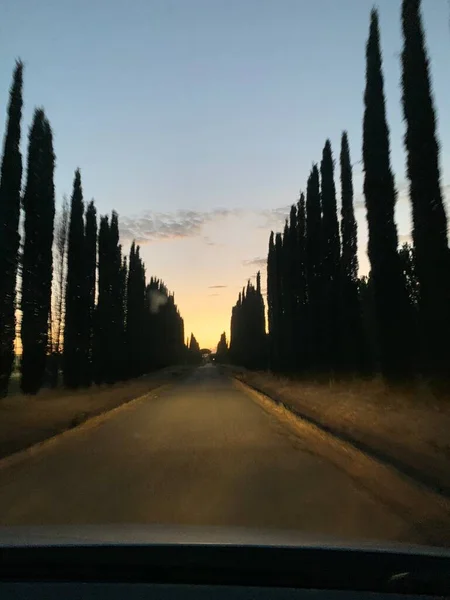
point(93, 535)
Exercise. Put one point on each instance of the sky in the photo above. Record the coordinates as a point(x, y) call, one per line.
point(199, 120)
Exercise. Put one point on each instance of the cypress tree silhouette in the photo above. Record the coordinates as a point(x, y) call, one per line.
point(330, 264)
point(302, 306)
point(314, 269)
point(194, 350)
point(102, 317)
point(10, 184)
point(272, 292)
point(292, 290)
point(393, 311)
point(429, 219)
point(278, 302)
point(353, 359)
point(90, 247)
point(136, 311)
point(39, 207)
point(222, 349)
point(248, 336)
point(74, 357)
point(116, 330)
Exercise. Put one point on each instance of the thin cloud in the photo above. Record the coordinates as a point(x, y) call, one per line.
point(216, 287)
point(274, 217)
point(255, 262)
point(156, 226)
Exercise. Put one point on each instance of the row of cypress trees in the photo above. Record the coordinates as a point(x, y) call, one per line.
point(116, 325)
point(222, 350)
point(322, 318)
point(248, 328)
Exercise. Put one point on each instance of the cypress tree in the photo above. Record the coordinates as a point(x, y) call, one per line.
point(116, 326)
point(10, 185)
point(302, 314)
point(429, 218)
point(392, 305)
point(122, 349)
point(313, 268)
point(102, 318)
point(278, 303)
point(292, 289)
point(287, 295)
point(351, 334)
point(90, 247)
point(74, 351)
point(248, 336)
point(271, 301)
point(194, 350)
point(330, 263)
point(349, 228)
point(222, 349)
point(137, 337)
point(39, 207)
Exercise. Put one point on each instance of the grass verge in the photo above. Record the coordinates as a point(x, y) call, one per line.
point(405, 428)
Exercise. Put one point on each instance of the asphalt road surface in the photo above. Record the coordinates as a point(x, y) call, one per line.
point(200, 453)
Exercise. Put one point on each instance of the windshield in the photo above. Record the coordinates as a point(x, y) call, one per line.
point(224, 266)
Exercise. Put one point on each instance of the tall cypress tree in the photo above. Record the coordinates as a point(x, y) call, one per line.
point(279, 302)
point(314, 268)
point(102, 317)
point(74, 351)
point(330, 263)
point(10, 184)
point(429, 218)
point(393, 311)
point(302, 308)
point(39, 207)
point(271, 300)
point(288, 256)
point(122, 349)
point(222, 349)
point(351, 335)
point(136, 335)
point(90, 249)
point(248, 336)
point(116, 326)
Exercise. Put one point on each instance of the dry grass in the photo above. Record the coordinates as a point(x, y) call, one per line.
point(25, 420)
point(407, 427)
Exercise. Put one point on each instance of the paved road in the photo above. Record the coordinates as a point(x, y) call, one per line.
point(201, 453)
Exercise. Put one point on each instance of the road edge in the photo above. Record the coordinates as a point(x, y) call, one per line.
point(20, 455)
point(428, 511)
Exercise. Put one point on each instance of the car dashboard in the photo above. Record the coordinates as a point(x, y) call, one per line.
point(85, 567)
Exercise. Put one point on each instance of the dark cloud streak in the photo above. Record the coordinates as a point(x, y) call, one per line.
point(255, 262)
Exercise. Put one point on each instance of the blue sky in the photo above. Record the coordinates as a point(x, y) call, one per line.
point(174, 109)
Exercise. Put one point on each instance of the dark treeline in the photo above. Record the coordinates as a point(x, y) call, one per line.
point(195, 353)
point(322, 318)
point(221, 355)
point(248, 336)
point(89, 312)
